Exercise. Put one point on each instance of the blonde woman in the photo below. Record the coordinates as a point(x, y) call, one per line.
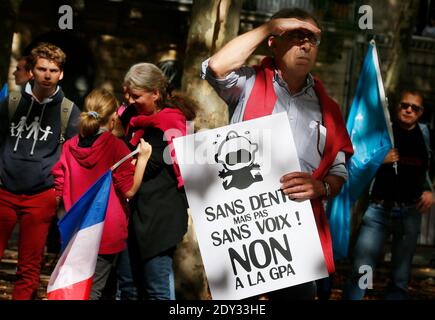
point(159, 210)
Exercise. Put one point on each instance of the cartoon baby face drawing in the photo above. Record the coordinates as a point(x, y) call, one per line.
point(237, 154)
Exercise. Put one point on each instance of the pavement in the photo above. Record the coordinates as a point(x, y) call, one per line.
point(8, 269)
point(421, 284)
point(421, 287)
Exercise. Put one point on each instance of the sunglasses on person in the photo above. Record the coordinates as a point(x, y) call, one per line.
point(301, 36)
point(414, 107)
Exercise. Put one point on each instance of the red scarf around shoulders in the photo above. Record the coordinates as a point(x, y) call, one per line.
point(261, 103)
point(169, 120)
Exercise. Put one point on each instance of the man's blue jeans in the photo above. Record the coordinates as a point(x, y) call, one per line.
point(377, 224)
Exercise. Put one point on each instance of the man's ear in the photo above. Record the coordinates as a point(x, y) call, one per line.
point(271, 42)
point(61, 75)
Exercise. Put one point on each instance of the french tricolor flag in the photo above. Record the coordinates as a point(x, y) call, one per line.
point(81, 229)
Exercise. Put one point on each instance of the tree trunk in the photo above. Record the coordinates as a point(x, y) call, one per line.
point(213, 24)
point(400, 49)
point(8, 14)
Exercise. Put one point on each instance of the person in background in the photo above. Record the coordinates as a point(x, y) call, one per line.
point(4, 92)
point(30, 143)
point(159, 211)
point(397, 202)
point(429, 30)
point(22, 74)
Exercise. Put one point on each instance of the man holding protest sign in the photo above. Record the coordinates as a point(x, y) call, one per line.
point(284, 84)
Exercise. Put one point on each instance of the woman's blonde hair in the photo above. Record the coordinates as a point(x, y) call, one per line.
point(99, 106)
point(148, 77)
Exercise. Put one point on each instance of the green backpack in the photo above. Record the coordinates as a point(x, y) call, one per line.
point(66, 108)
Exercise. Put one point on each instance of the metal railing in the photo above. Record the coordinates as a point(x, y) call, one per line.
point(272, 6)
point(423, 43)
point(330, 9)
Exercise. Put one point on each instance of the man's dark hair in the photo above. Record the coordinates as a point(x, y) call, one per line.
point(295, 13)
point(412, 90)
point(28, 62)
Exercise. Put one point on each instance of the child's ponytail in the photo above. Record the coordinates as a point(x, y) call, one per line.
point(99, 106)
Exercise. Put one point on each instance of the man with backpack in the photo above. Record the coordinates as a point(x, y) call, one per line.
point(397, 200)
point(33, 125)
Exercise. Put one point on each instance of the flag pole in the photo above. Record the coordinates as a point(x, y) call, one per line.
point(128, 156)
point(383, 97)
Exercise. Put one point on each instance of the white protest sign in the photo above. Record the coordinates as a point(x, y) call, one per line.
point(252, 238)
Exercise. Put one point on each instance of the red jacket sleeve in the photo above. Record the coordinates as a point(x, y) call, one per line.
point(124, 174)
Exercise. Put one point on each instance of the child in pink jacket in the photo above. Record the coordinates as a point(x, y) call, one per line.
point(84, 159)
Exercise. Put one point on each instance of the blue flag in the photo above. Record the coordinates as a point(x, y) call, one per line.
point(370, 131)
